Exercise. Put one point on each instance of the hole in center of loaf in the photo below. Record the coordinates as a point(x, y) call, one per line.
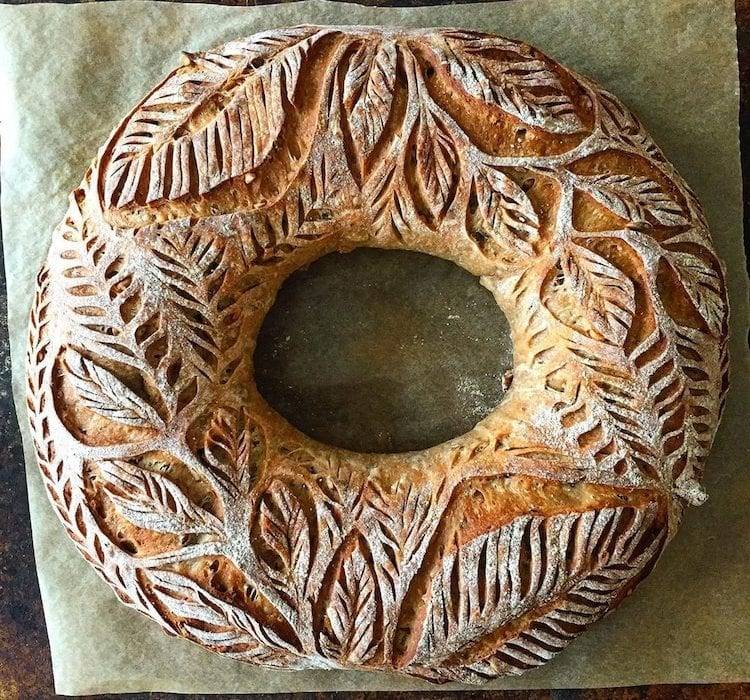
point(383, 351)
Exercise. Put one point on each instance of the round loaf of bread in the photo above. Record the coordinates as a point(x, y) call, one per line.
point(482, 556)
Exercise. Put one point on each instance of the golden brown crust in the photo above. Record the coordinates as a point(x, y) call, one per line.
point(479, 557)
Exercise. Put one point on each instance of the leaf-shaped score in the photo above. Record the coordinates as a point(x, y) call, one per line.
point(500, 218)
point(400, 527)
point(216, 624)
point(702, 284)
point(621, 125)
point(531, 567)
point(432, 168)
point(603, 293)
point(348, 633)
point(216, 118)
point(153, 502)
point(704, 366)
point(634, 198)
point(234, 448)
point(192, 268)
point(521, 85)
point(368, 93)
point(287, 532)
point(107, 396)
point(633, 424)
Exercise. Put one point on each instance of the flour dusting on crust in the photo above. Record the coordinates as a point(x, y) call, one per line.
point(480, 557)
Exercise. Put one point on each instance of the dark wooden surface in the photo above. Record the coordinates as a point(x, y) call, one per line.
point(25, 668)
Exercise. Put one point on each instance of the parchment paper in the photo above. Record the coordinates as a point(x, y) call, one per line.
point(70, 72)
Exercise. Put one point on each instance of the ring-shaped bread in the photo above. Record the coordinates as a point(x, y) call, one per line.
point(482, 556)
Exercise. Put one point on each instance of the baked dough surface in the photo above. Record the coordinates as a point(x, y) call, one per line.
point(482, 556)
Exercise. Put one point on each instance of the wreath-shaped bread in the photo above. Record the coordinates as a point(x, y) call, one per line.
point(482, 556)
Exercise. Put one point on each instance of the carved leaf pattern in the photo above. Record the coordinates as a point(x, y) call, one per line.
point(285, 527)
point(585, 603)
point(433, 167)
point(399, 531)
point(151, 501)
point(332, 551)
point(38, 345)
point(629, 416)
point(703, 286)
point(157, 345)
point(102, 288)
point(500, 217)
point(163, 154)
point(331, 179)
point(602, 289)
point(216, 624)
point(368, 93)
point(633, 197)
point(343, 492)
point(106, 395)
point(349, 633)
point(192, 267)
point(270, 237)
point(623, 126)
point(522, 84)
point(389, 203)
point(632, 422)
point(704, 366)
point(666, 386)
point(234, 448)
point(531, 563)
point(110, 287)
